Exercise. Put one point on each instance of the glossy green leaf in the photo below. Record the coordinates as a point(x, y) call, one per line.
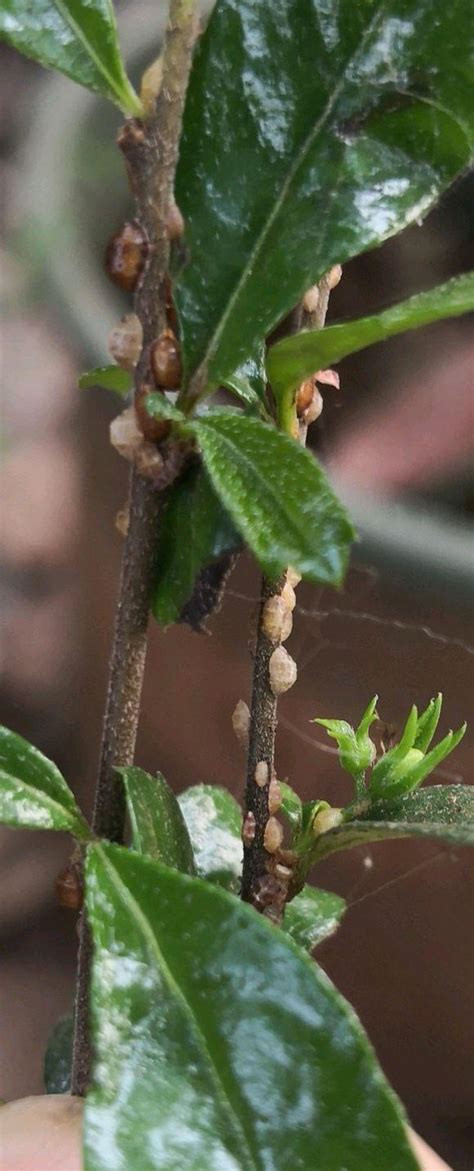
point(248, 382)
point(157, 823)
point(312, 916)
point(295, 358)
point(291, 806)
point(159, 407)
point(110, 377)
point(58, 1057)
point(219, 1043)
point(76, 37)
point(33, 792)
point(195, 530)
point(277, 496)
point(311, 133)
point(214, 821)
point(441, 811)
point(428, 723)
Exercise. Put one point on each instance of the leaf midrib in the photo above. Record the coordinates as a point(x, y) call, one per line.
point(41, 796)
point(266, 486)
point(68, 19)
point(200, 375)
point(145, 926)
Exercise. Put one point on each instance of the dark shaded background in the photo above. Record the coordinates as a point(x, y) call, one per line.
point(401, 429)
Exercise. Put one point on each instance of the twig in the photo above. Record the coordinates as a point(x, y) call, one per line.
point(151, 151)
point(265, 883)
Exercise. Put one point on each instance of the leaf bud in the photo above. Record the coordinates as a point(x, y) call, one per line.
point(241, 723)
point(125, 255)
point(273, 835)
point(165, 361)
point(277, 620)
point(125, 341)
point(151, 84)
point(283, 671)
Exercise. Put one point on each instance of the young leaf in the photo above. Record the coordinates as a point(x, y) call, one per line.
point(321, 130)
point(58, 1057)
point(157, 823)
point(33, 793)
point(442, 811)
point(195, 530)
point(110, 377)
point(160, 407)
point(405, 767)
point(312, 916)
point(249, 382)
point(202, 1062)
point(292, 359)
point(428, 723)
point(214, 821)
point(277, 495)
point(76, 37)
point(291, 806)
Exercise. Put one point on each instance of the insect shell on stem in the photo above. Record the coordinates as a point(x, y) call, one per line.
point(69, 888)
point(165, 361)
point(125, 256)
point(277, 619)
point(282, 670)
point(125, 342)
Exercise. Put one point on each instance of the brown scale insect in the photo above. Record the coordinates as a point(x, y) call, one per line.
point(69, 887)
point(304, 396)
point(153, 429)
point(165, 361)
point(125, 256)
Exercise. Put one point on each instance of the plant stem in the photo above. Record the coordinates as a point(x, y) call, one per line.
point(260, 883)
point(151, 151)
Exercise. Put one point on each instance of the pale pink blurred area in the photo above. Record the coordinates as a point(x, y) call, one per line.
point(422, 432)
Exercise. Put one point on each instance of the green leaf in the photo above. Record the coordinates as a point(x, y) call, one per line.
point(291, 806)
point(58, 1057)
point(311, 133)
point(157, 823)
point(312, 916)
point(295, 358)
point(218, 1042)
point(110, 377)
point(160, 407)
point(76, 37)
point(214, 821)
point(356, 749)
point(195, 530)
point(428, 723)
point(277, 495)
point(441, 811)
point(33, 793)
point(405, 767)
point(249, 382)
